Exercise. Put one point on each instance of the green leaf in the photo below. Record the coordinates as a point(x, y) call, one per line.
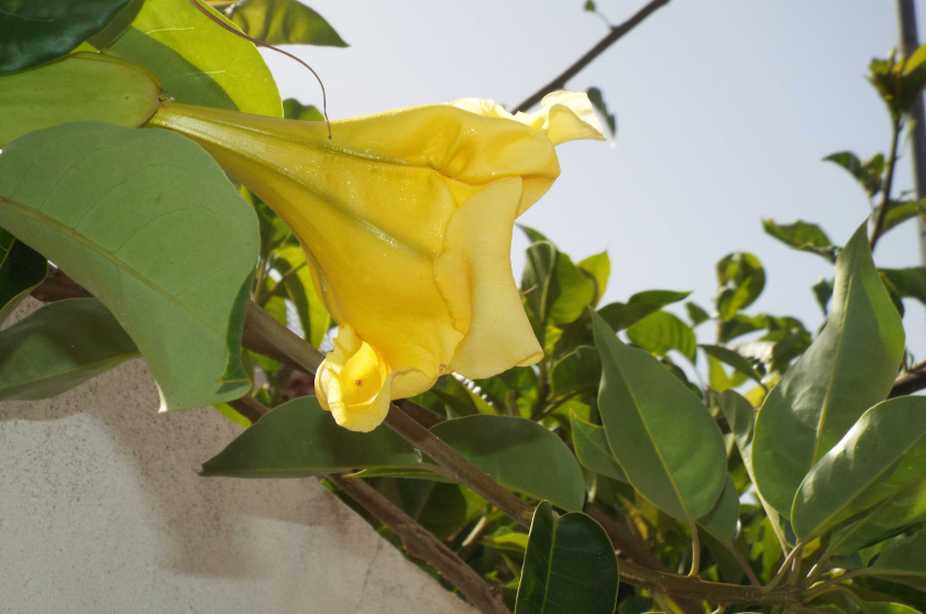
point(511, 449)
point(850, 366)
point(534, 236)
point(904, 556)
point(457, 399)
point(283, 22)
point(597, 99)
point(883, 521)
point(599, 267)
point(569, 566)
point(293, 109)
point(197, 61)
point(884, 607)
point(696, 313)
point(901, 211)
point(623, 315)
point(536, 281)
point(577, 371)
point(21, 270)
point(907, 283)
point(128, 230)
point(81, 87)
point(823, 292)
point(741, 279)
point(721, 522)
point(661, 435)
point(662, 331)
point(35, 32)
point(298, 286)
point(733, 359)
point(591, 446)
point(299, 439)
point(868, 174)
point(803, 236)
point(58, 347)
point(740, 417)
point(881, 457)
point(572, 291)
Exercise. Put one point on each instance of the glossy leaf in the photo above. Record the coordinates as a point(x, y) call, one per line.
point(885, 520)
point(283, 22)
point(741, 279)
point(733, 359)
point(592, 449)
point(696, 313)
point(511, 449)
point(850, 366)
point(623, 315)
point(572, 291)
point(35, 32)
point(721, 522)
point(599, 267)
point(81, 87)
point(662, 331)
point(661, 435)
point(578, 371)
point(299, 439)
point(58, 347)
point(904, 556)
point(21, 270)
point(879, 458)
point(803, 236)
point(569, 566)
point(127, 230)
point(197, 61)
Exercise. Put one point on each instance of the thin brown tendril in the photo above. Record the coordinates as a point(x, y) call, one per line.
point(199, 7)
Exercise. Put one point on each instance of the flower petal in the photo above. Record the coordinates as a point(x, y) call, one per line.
point(479, 242)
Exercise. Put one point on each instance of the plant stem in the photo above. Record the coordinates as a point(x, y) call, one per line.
point(615, 34)
point(422, 545)
point(695, 551)
point(888, 183)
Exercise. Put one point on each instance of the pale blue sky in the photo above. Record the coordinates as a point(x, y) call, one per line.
point(725, 109)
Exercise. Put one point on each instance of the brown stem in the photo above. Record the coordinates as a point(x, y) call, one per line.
point(888, 184)
point(422, 545)
point(250, 408)
point(614, 35)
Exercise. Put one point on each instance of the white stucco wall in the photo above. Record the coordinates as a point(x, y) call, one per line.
point(101, 511)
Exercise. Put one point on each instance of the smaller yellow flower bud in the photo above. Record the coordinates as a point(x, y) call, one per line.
point(353, 383)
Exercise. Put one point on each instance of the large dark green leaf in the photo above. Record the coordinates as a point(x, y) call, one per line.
point(81, 87)
point(137, 235)
point(32, 32)
point(197, 61)
point(721, 522)
point(741, 279)
point(886, 519)
point(661, 435)
point(512, 449)
point(623, 315)
point(569, 566)
point(905, 556)
point(577, 371)
point(803, 236)
point(662, 331)
point(848, 368)
point(58, 347)
point(21, 270)
point(881, 457)
point(299, 439)
point(283, 22)
point(592, 449)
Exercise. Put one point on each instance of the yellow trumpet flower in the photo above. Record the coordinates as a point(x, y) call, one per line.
point(406, 219)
